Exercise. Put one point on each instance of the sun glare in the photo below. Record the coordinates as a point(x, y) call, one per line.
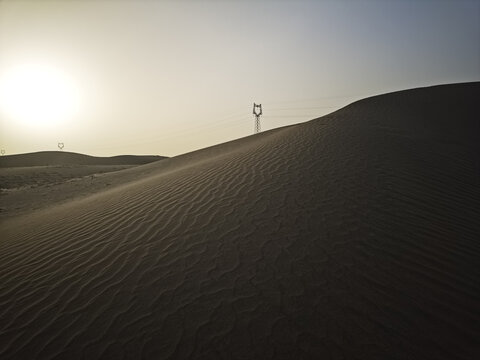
point(37, 96)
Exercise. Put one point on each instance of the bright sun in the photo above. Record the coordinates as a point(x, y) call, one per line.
point(37, 96)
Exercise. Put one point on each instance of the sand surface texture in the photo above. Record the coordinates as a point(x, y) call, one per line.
point(56, 158)
point(44, 179)
point(352, 236)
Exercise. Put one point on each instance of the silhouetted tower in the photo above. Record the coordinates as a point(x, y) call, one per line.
point(2, 152)
point(257, 116)
point(61, 145)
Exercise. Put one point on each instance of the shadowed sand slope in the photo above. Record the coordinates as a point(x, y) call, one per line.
point(352, 236)
point(44, 158)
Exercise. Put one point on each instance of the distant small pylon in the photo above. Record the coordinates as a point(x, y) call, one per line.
point(61, 145)
point(2, 152)
point(257, 117)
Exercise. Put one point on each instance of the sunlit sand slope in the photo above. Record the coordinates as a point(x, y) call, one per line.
point(43, 179)
point(353, 236)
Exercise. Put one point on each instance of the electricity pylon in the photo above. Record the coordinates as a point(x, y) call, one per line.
point(257, 117)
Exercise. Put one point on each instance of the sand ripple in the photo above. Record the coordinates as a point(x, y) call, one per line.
point(351, 236)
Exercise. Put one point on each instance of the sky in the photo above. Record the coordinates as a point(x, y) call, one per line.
point(168, 77)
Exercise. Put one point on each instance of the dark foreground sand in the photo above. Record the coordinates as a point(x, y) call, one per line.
point(352, 236)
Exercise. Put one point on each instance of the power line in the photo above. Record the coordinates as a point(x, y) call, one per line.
point(232, 120)
point(306, 108)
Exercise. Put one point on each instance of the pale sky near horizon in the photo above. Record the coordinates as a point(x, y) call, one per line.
point(167, 77)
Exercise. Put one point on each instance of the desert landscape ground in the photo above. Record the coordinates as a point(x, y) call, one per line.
point(36, 180)
point(351, 236)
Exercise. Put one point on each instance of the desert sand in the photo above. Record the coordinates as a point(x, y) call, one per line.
point(351, 236)
point(58, 158)
point(44, 179)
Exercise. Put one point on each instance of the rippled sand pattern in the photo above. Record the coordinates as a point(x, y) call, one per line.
point(353, 236)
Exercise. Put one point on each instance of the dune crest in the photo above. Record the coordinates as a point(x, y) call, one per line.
point(49, 158)
point(354, 236)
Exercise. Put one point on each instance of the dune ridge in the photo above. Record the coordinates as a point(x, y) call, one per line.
point(49, 158)
point(34, 181)
point(353, 236)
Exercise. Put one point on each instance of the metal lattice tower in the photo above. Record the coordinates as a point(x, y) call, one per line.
point(257, 117)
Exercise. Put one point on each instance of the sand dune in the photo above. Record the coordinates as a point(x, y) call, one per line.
point(49, 158)
point(352, 236)
point(32, 176)
point(44, 179)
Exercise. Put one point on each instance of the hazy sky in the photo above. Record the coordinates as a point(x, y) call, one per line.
point(166, 77)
